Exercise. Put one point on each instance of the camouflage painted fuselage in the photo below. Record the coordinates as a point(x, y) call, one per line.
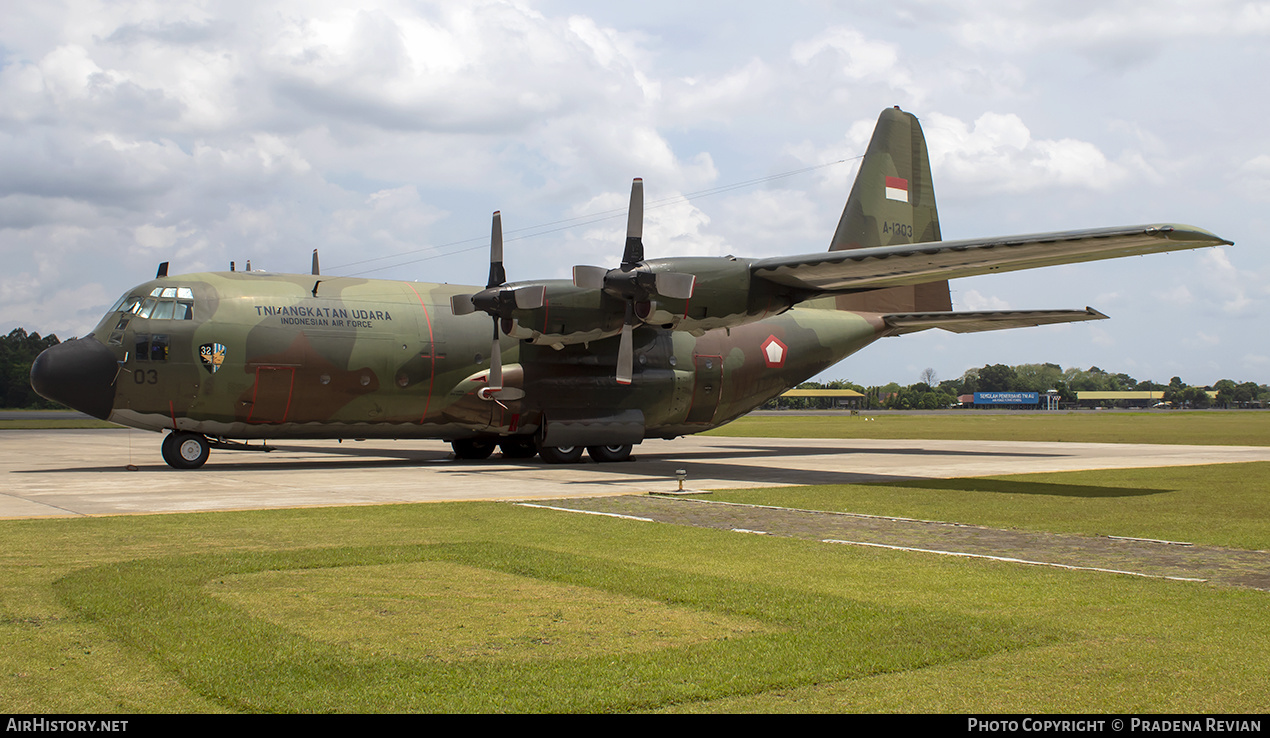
point(260, 355)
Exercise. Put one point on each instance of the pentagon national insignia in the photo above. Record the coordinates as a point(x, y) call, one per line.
point(212, 355)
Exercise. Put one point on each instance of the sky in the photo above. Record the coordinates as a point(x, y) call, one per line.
point(384, 134)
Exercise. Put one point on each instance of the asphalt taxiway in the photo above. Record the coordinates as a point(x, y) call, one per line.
point(55, 473)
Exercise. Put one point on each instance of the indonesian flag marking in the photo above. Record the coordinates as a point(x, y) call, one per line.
point(897, 189)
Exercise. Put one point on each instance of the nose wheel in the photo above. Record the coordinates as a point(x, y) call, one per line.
point(185, 450)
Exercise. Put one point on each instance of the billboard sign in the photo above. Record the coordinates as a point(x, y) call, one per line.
point(1007, 398)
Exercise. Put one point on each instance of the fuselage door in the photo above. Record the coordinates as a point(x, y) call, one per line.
point(271, 400)
point(707, 383)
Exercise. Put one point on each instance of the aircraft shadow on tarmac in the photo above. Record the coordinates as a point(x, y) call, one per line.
point(739, 451)
point(1014, 487)
point(658, 469)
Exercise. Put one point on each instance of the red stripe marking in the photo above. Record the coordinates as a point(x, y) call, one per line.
point(254, 392)
point(432, 349)
point(290, 395)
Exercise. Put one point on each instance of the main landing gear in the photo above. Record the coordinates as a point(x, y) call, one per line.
point(573, 454)
point(476, 449)
point(607, 454)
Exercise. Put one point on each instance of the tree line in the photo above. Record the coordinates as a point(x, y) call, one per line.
point(930, 394)
point(17, 351)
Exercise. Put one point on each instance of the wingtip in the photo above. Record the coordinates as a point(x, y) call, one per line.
point(1184, 232)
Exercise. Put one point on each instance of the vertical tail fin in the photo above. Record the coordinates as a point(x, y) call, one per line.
point(893, 202)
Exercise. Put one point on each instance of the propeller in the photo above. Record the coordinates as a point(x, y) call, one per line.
point(498, 301)
point(634, 282)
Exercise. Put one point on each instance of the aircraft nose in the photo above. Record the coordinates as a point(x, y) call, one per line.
point(79, 374)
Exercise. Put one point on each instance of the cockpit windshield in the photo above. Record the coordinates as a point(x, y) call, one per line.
point(163, 303)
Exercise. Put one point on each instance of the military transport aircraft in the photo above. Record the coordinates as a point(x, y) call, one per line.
point(652, 348)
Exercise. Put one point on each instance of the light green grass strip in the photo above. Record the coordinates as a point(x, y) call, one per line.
point(247, 663)
point(1208, 428)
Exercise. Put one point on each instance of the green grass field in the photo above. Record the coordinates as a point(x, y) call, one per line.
point(1219, 505)
point(492, 607)
point(1209, 428)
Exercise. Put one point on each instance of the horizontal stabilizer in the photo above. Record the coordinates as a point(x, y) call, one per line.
point(888, 266)
point(984, 320)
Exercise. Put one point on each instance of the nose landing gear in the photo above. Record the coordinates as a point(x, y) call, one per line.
point(185, 450)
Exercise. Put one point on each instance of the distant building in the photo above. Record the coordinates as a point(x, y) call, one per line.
point(1133, 398)
point(839, 397)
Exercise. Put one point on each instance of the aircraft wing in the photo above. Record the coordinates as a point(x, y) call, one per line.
point(984, 320)
point(888, 266)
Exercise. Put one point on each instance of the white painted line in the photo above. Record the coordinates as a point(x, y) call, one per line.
point(747, 530)
point(832, 512)
point(1012, 560)
point(587, 512)
point(1150, 540)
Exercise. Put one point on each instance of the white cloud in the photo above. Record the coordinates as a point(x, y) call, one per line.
point(1119, 33)
point(1234, 292)
point(998, 154)
point(1101, 337)
point(1254, 179)
point(859, 57)
point(695, 100)
point(974, 300)
point(154, 237)
point(1176, 295)
point(854, 58)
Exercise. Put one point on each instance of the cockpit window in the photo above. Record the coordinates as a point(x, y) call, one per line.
point(158, 348)
point(163, 310)
point(163, 303)
point(152, 348)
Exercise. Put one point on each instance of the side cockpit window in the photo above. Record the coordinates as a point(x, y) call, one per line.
point(151, 347)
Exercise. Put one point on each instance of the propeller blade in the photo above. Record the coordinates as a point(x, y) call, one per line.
point(589, 277)
point(316, 273)
point(495, 363)
point(625, 348)
point(634, 253)
point(625, 356)
point(675, 285)
point(497, 275)
point(462, 305)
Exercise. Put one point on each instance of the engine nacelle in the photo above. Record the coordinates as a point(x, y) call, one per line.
point(723, 296)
